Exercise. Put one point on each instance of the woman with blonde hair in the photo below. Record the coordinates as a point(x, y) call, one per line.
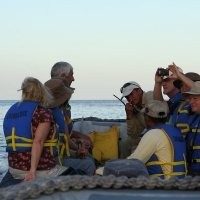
point(31, 135)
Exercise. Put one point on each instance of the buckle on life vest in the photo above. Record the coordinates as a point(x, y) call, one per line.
point(194, 161)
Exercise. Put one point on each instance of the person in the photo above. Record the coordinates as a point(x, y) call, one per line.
point(175, 97)
point(162, 148)
point(78, 158)
point(137, 99)
point(31, 137)
point(193, 137)
point(64, 69)
point(183, 112)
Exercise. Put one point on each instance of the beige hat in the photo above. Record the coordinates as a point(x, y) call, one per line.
point(59, 92)
point(194, 90)
point(127, 88)
point(155, 109)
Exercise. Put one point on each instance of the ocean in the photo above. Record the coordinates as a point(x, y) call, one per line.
point(104, 109)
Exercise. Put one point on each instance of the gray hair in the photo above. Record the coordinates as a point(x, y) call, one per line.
point(59, 68)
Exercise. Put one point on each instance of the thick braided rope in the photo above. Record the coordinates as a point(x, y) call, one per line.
point(33, 189)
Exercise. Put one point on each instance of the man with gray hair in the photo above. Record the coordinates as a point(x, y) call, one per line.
point(162, 148)
point(166, 83)
point(65, 70)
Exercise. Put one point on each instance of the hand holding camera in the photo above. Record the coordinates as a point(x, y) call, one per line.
point(171, 72)
point(159, 74)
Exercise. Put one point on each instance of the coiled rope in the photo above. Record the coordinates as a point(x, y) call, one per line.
point(36, 187)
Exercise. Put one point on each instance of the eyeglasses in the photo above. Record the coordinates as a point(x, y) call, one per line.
point(126, 85)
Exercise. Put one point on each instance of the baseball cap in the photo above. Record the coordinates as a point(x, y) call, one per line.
point(155, 109)
point(128, 87)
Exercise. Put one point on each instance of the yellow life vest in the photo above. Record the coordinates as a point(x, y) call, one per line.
point(105, 144)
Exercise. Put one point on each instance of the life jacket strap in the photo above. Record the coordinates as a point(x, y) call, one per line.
point(13, 141)
point(195, 130)
point(196, 147)
point(195, 160)
point(180, 108)
point(48, 143)
point(68, 120)
point(170, 174)
point(184, 111)
point(165, 163)
point(185, 130)
point(65, 145)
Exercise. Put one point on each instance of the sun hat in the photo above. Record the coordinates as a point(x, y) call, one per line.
point(191, 75)
point(155, 109)
point(128, 87)
point(194, 90)
point(170, 73)
point(59, 92)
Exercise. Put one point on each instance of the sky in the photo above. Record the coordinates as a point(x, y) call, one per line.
point(108, 42)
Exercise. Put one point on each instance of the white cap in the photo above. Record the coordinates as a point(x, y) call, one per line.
point(170, 73)
point(128, 87)
point(155, 109)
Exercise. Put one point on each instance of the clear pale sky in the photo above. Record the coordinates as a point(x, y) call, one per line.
point(108, 42)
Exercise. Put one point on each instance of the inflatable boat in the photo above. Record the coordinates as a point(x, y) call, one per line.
point(99, 187)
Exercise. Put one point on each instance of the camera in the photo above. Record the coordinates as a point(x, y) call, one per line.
point(163, 72)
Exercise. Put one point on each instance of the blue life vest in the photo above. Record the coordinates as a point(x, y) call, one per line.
point(60, 123)
point(67, 115)
point(178, 145)
point(194, 142)
point(18, 131)
point(173, 103)
point(181, 116)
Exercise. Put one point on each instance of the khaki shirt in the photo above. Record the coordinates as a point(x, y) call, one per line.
point(136, 125)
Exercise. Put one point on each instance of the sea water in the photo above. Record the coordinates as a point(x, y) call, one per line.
point(104, 109)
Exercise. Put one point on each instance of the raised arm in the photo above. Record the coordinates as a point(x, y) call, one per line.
point(178, 75)
point(157, 92)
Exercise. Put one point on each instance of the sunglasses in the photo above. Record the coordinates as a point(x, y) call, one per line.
point(126, 85)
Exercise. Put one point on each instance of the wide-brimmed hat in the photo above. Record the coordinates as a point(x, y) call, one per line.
point(155, 109)
point(128, 87)
point(194, 90)
point(191, 75)
point(59, 92)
